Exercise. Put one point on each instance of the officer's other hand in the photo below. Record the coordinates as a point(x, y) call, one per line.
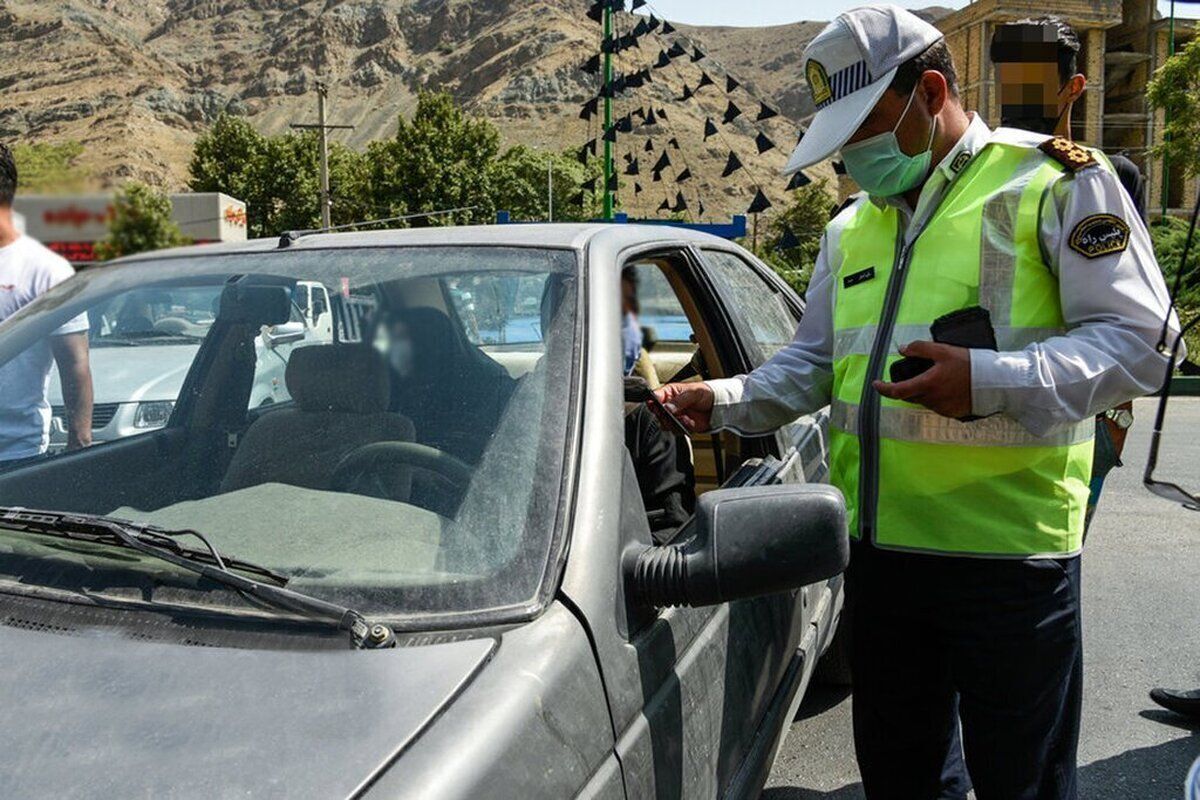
point(690, 403)
point(944, 388)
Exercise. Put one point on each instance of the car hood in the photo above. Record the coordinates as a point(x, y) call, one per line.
point(100, 716)
point(130, 374)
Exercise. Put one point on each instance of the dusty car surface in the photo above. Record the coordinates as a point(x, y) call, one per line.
point(427, 570)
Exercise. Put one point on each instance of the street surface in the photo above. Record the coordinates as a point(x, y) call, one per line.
point(1141, 572)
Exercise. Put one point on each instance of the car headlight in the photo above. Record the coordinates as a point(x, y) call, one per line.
point(154, 414)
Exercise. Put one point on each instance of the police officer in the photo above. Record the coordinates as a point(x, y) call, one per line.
point(965, 570)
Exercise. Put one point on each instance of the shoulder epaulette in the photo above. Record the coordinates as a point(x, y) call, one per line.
point(1072, 156)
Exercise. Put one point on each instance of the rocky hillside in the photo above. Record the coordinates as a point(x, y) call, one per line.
point(136, 80)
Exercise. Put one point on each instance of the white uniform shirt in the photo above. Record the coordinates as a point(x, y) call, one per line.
point(27, 270)
point(1113, 305)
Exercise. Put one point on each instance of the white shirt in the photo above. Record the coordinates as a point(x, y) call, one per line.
point(1113, 306)
point(27, 270)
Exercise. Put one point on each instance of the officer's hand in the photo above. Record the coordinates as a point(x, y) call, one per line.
point(944, 388)
point(690, 403)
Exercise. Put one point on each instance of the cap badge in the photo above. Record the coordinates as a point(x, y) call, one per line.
point(818, 81)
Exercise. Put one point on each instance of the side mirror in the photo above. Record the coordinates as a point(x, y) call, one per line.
point(747, 542)
point(287, 333)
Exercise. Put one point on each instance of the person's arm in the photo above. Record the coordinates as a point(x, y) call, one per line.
point(796, 381)
point(75, 373)
point(1114, 304)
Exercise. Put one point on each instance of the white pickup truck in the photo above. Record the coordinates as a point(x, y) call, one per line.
point(143, 345)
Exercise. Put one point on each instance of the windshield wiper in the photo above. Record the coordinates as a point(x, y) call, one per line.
point(162, 544)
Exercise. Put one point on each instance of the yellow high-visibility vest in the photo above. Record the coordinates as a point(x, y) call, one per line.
point(915, 480)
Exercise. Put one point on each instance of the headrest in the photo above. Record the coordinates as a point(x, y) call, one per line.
point(350, 379)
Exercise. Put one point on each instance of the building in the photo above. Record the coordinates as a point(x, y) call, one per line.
point(71, 225)
point(1123, 43)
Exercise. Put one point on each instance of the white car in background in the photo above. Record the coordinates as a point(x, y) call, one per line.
point(143, 344)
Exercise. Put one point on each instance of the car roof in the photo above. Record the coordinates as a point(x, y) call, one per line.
point(573, 236)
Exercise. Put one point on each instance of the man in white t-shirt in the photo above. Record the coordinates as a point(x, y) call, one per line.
point(27, 270)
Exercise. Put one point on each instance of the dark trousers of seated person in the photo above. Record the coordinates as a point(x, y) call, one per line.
point(999, 639)
point(664, 472)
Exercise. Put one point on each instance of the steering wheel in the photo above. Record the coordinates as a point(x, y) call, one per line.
point(374, 459)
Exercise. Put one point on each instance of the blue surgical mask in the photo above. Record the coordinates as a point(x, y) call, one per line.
point(881, 168)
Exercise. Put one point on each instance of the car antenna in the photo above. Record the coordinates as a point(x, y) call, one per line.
point(289, 238)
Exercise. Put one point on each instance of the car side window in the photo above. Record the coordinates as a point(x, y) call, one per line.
point(760, 311)
point(498, 309)
point(660, 308)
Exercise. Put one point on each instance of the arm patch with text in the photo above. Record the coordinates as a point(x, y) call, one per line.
point(1100, 235)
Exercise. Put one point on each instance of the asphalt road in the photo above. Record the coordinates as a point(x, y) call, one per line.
point(1141, 576)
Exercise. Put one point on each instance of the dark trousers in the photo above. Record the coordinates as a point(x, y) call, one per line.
point(997, 639)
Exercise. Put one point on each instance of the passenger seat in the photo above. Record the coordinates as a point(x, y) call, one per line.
point(342, 394)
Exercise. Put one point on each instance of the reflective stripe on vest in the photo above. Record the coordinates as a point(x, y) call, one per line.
point(986, 488)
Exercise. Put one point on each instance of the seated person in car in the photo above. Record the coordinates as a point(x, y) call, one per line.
point(450, 389)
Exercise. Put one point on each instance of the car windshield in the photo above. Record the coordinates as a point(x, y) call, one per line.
point(386, 427)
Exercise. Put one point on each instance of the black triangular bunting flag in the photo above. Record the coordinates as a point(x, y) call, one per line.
point(732, 165)
point(632, 169)
point(590, 108)
point(666, 206)
point(731, 113)
point(612, 183)
point(701, 211)
point(662, 114)
point(668, 28)
point(664, 161)
point(789, 240)
point(589, 186)
point(649, 148)
point(577, 200)
point(710, 129)
point(760, 204)
point(654, 22)
point(637, 188)
point(730, 84)
point(839, 168)
point(676, 51)
point(663, 59)
point(673, 142)
point(610, 135)
point(704, 81)
point(683, 176)
point(680, 203)
point(765, 113)
point(687, 93)
point(697, 54)
point(798, 180)
point(592, 65)
point(651, 119)
point(764, 144)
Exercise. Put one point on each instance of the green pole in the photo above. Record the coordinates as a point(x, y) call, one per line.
point(608, 113)
point(1166, 183)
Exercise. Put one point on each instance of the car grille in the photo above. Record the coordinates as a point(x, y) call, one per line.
point(102, 414)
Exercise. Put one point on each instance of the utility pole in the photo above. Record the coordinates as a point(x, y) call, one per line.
point(323, 129)
point(608, 112)
point(550, 184)
point(1166, 162)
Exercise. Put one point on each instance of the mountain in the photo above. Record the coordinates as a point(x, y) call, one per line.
point(136, 80)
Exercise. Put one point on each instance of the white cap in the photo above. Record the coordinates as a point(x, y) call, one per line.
point(848, 67)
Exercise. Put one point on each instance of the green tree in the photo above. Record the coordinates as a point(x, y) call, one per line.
point(520, 180)
point(804, 217)
point(1175, 88)
point(277, 176)
point(141, 222)
point(45, 167)
point(440, 159)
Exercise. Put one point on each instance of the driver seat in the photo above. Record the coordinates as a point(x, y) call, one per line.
point(341, 394)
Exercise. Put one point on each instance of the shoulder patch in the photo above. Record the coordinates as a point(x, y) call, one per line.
point(1072, 156)
point(1100, 235)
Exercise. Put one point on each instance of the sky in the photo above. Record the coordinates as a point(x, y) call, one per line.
point(778, 12)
